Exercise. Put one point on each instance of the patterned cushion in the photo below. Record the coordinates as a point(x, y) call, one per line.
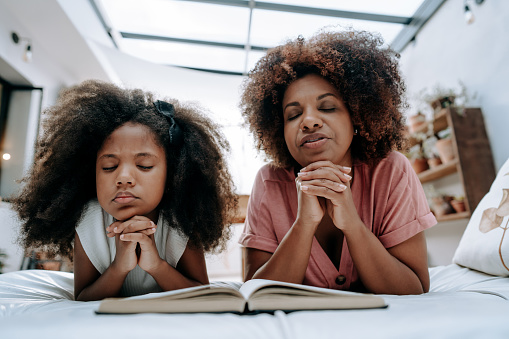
point(485, 243)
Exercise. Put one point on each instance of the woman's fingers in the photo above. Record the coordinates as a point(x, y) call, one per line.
point(325, 170)
point(325, 163)
point(323, 188)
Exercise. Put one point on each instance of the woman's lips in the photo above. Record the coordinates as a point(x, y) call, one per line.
point(314, 140)
point(314, 143)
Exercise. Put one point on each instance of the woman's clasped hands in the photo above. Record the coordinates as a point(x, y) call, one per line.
point(323, 187)
point(128, 234)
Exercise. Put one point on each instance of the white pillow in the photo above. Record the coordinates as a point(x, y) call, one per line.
point(485, 243)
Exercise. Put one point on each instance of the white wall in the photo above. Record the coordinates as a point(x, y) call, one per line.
point(219, 94)
point(61, 57)
point(67, 50)
point(446, 51)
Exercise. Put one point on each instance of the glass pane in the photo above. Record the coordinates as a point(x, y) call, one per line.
point(388, 7)
point(270, 28)
point(187, 55)
point(253, 58)
point(179, 19)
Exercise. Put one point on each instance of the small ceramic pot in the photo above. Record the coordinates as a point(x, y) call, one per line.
point(419, 165)
point(458, 205)
point(445, 150)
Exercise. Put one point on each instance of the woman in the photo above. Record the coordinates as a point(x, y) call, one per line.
point(338, 207)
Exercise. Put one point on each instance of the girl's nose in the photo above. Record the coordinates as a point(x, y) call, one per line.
point(311, 120)
point(125, 178)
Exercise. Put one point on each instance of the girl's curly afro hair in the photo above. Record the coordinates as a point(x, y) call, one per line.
point(199, 197)
point(356, 63)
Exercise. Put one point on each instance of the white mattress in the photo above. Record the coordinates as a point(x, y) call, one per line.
point(461, 304)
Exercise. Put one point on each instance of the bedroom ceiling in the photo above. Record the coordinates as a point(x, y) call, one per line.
point(229, 36)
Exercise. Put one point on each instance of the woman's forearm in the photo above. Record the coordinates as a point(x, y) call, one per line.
point(289, 261)
point(379, 271)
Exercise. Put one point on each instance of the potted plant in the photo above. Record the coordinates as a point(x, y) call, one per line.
point(439, 97)
point(444, 145)
point(458, 203)
point(416, 121)
point(416, 156)
point(430, 152)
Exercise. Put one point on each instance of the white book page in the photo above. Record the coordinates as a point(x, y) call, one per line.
point(254, 285)
point(190, 291)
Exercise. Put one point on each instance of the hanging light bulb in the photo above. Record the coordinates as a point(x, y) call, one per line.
point(469, 15)
point(27, 54)
point(6, 156)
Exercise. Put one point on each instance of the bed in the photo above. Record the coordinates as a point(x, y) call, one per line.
point(462, 303)
point(467, 299)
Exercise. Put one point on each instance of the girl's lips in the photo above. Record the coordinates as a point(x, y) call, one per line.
point(124, 199)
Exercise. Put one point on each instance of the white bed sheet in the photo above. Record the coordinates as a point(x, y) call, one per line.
point(462, 304)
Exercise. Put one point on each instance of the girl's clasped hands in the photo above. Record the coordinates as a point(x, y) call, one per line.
point(128, 234)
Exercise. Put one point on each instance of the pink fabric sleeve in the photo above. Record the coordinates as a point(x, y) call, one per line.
point(407, 211)
point(259, 230)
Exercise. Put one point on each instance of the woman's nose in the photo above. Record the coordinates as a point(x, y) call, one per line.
point(311, 120)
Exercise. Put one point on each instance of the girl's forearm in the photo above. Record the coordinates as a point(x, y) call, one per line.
point(290, 260)
point(169, 278)
point(107, 285)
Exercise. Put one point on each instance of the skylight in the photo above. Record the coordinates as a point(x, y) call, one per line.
point(229, 36)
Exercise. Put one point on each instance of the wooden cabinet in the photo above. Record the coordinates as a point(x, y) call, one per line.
point(473, 160)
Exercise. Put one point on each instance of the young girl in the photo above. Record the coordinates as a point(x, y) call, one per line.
point(337, 208)
point(139, 185)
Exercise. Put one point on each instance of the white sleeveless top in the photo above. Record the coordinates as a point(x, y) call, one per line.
point(101, 250)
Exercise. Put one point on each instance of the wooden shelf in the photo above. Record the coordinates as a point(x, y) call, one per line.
point(241, 212)
point(439, 123)
point(454, 216)
point(473, 160)
point(439, 171)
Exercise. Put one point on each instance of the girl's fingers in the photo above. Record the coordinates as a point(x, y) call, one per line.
point(148, 231)
point(110, 228)
point(133, 237)
point(145, 241)
point(132, 225)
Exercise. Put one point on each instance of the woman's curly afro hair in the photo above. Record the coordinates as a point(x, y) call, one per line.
point(199, 197)
point(355, 62)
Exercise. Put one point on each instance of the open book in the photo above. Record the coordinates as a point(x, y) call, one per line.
point(252, 296)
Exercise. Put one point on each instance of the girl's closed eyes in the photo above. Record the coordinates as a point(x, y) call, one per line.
point(129, 227)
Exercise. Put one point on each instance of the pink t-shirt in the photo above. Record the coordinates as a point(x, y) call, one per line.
point(388, 197)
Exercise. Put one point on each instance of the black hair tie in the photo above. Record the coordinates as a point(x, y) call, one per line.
point(166, 109)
